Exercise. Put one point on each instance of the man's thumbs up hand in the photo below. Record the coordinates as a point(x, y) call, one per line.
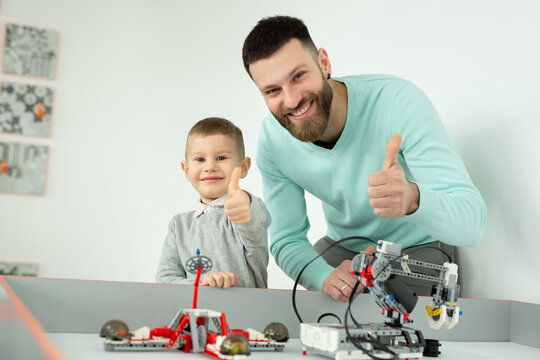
point(390, 193)
point(238, 201)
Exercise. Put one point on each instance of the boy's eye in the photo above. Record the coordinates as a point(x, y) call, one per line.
point(220, 158)
point(200, 159)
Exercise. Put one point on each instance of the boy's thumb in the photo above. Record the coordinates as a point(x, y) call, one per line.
point(235, 179)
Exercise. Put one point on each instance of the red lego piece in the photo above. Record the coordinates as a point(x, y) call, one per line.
point(224, 327)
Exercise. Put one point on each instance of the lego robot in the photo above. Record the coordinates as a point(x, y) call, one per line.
point(391, 339)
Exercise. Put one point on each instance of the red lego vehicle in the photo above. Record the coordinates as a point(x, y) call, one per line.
point(196, 330)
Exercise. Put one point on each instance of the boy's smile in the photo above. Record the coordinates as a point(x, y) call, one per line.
point(212, 179)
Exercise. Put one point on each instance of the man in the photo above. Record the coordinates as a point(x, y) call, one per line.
point(372, 148)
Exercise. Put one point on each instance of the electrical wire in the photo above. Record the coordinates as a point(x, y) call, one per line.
point(328, 314)
point(432, 247)
point(355, 341)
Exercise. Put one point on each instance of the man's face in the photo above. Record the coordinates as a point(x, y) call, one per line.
point(295, 90)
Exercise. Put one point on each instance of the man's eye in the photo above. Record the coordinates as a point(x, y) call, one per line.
point(298, 76)
point(272, 91)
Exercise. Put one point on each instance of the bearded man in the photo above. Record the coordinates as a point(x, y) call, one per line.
point(372, 148)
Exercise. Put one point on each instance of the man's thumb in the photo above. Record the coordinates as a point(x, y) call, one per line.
point(392, 149)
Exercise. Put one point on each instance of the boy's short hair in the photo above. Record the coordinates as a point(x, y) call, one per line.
point(270, 34)
point(217, 125)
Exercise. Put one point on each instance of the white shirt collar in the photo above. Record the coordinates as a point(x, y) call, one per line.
point(219, 203)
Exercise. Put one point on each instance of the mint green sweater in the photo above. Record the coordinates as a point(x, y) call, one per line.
point(451, 208)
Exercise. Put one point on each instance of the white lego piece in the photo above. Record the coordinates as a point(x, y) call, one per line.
point(141, 333)
point(436, 324)
point(385, 247)
point(452, 270)
point(404, 265)
point(319, 338)
point(452, 321)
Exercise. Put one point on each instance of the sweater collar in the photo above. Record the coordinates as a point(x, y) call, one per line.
point(202, 209)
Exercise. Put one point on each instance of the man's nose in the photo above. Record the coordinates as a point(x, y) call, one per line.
point(292, 98)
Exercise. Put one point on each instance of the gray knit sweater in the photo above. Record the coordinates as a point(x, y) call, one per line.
point(240, 249)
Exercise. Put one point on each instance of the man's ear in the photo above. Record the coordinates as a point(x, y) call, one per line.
point(246, 164)
point(324, 63)
point(185, 169)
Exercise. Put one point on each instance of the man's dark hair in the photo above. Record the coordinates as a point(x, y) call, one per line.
point(270, 34)
point(217, 125)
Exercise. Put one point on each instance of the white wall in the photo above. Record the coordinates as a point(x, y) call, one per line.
point(134, 75)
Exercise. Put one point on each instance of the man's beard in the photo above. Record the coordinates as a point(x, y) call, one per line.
point(312, 128)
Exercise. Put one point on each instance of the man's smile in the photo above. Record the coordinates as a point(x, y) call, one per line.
point(302, 113)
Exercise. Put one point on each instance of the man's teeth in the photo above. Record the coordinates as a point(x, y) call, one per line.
point(302, 110)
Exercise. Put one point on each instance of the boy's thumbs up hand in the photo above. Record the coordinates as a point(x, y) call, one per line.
point(238, 201)
point(390, 193)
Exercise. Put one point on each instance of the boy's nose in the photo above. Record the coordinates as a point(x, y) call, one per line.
point(209, 166)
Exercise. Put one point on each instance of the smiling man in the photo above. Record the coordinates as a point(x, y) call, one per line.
point(371, 147)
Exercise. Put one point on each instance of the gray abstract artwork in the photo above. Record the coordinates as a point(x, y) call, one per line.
point(19, 269)
point(25, 109)
point(30, 51)
point(23, 168)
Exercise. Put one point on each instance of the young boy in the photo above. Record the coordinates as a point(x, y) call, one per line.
point(229, 225)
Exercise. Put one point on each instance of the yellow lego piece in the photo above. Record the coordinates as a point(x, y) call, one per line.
point(432, 312)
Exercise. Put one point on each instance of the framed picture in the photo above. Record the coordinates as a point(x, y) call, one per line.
point(30, 51)
point(25, 109)
point(23, 168)
point(18, 269)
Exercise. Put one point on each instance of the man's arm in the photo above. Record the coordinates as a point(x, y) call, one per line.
point(450, 207)
point(288, 232)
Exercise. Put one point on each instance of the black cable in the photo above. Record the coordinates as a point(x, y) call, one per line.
point(433, 247)
point(328, 314)
point(355, 341)
point(372, 341)
point(312, 260)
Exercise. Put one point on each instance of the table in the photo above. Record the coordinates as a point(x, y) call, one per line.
point(44, 318)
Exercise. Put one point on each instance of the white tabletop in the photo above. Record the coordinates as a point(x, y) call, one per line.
point(90, 347)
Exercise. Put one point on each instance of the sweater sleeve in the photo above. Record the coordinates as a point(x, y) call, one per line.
point(170, 269)
point(288, 232)
point(451, 208)
point(254, 237)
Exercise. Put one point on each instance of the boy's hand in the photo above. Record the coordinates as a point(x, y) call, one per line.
point(220, 279)
point(238, 201)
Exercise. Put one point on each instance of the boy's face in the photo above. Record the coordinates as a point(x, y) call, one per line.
point(209, 164)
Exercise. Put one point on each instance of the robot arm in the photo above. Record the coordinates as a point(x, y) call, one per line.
point(395, 298)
